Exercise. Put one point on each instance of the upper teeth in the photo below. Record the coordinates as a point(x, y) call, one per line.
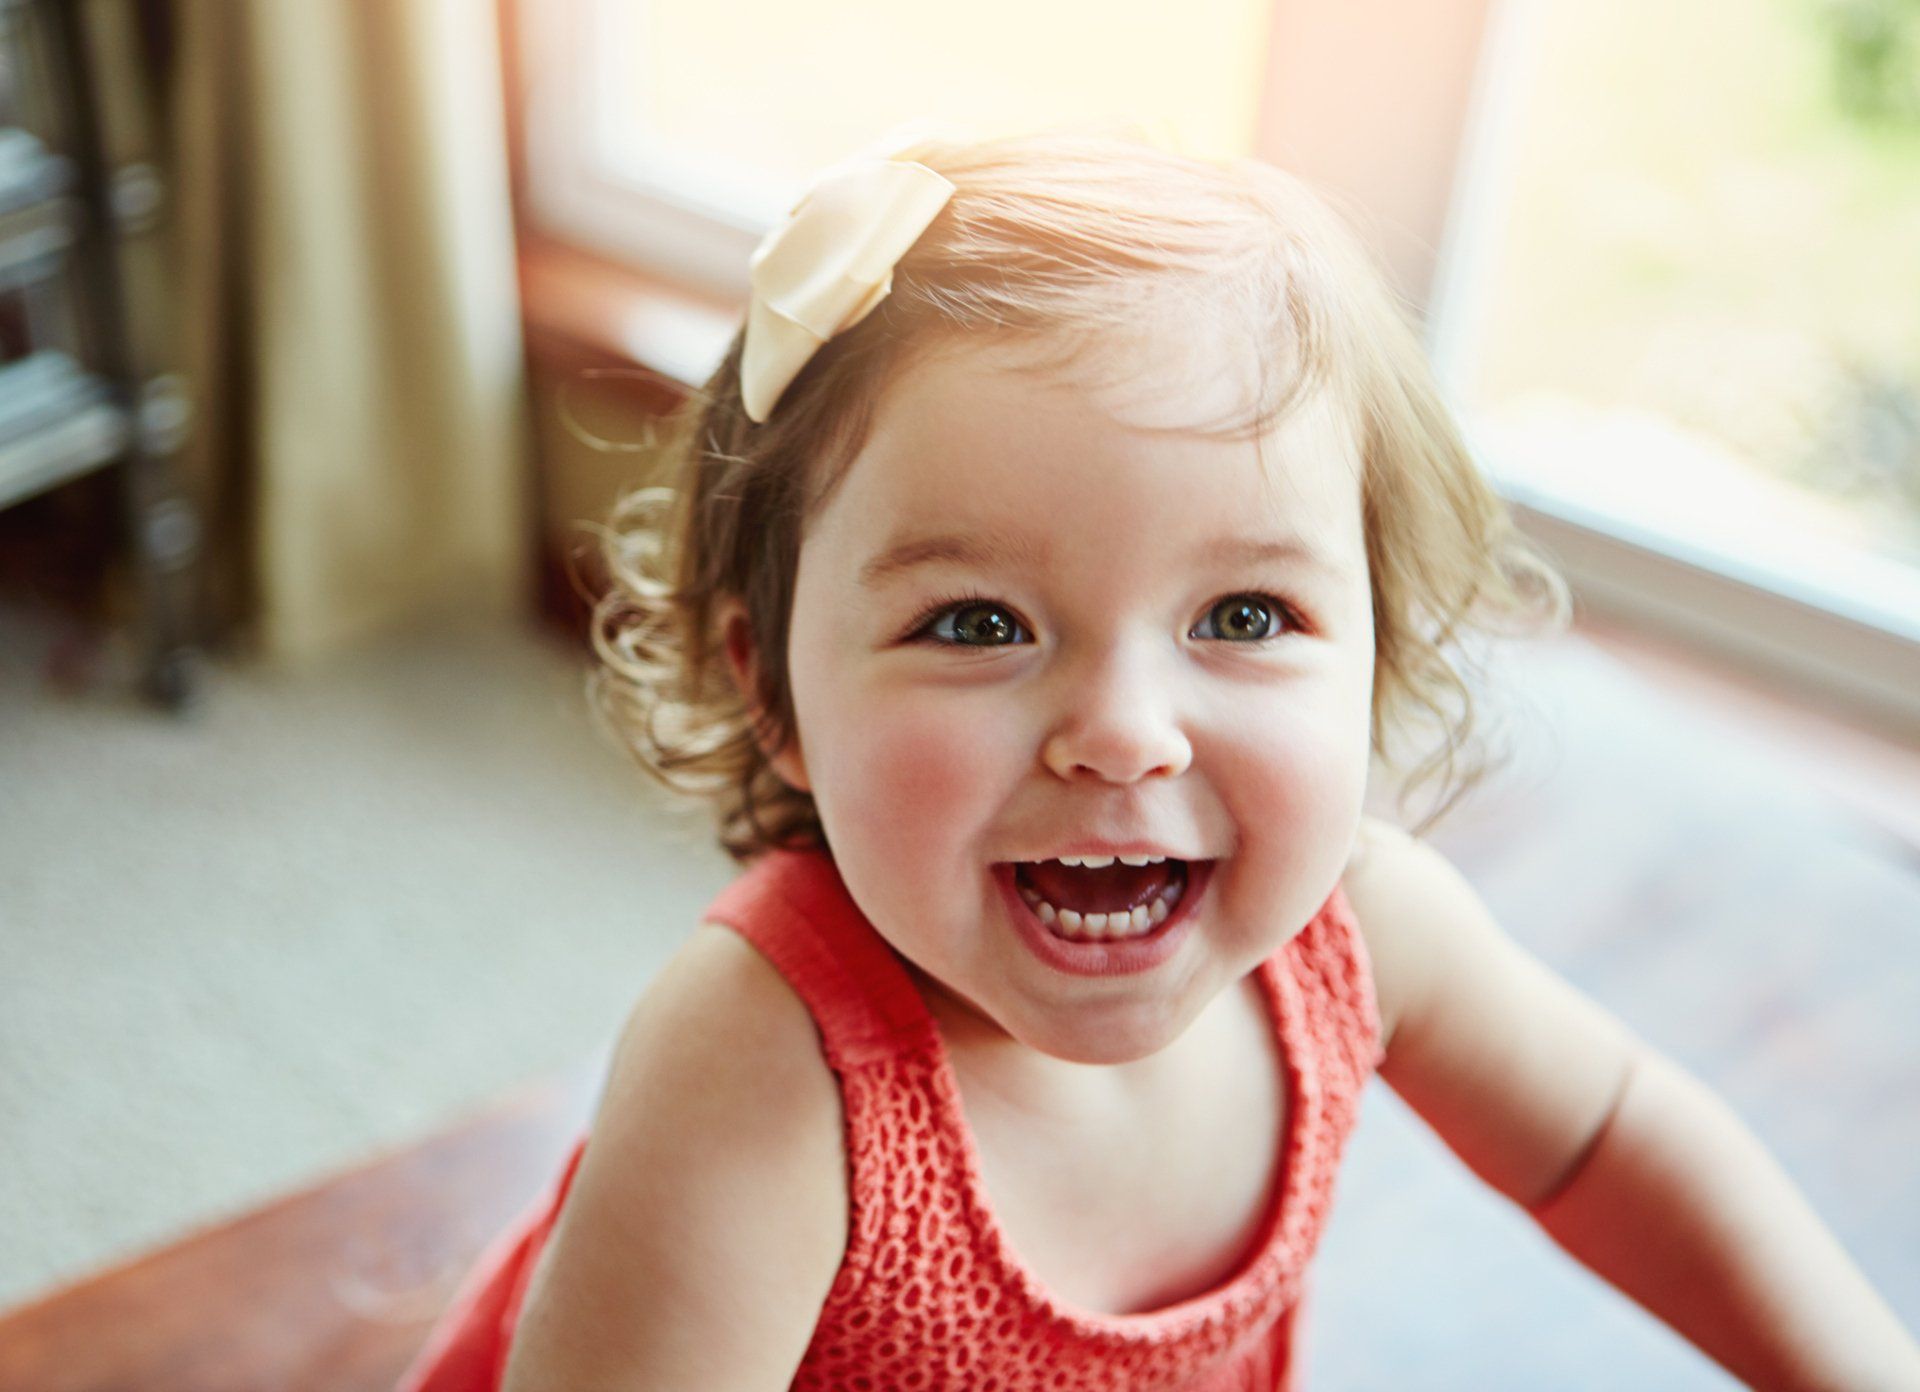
point(1101, 862)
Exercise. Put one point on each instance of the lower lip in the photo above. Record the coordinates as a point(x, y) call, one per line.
point(1124, 958)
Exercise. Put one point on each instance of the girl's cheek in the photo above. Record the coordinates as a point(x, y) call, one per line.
point(914, 772)
point(1302, 782)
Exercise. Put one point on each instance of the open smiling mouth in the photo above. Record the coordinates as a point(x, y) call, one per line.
point(1102, 899)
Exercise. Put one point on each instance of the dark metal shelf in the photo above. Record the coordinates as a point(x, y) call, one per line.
point(57, 422)
point(77, 391)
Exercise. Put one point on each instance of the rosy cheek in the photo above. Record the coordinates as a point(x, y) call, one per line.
point(917, 775)
point(1295, 790)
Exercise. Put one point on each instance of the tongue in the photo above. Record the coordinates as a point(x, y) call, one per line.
point(1115, 886)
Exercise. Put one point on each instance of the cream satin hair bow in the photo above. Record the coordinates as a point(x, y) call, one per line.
point(825, 266)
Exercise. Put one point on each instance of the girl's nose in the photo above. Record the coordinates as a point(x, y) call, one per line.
point(1117, 726)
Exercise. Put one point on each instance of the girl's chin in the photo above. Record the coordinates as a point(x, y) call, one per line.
point(1094, 1036)
point(1090, 1040)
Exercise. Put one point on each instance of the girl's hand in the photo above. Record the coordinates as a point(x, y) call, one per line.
point(1627, 1161)
point(709, 1215)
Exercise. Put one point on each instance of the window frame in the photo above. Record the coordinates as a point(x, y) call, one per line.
point(1825, 644)
point(677, 231)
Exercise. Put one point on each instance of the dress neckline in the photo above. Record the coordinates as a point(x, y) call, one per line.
point(1283, 1209)
point(1287, 1211)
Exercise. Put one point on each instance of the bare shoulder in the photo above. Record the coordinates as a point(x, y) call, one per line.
point(719, 1015)
point(1390, 880)
point(712, 1196)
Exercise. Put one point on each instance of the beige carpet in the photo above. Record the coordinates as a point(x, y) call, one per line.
point(312, 920)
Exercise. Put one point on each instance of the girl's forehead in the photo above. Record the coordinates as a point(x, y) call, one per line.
point(1180, 368)
point(984, 459)
point(1048, 426)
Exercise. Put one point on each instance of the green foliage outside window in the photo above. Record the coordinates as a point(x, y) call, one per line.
point(1875, 46)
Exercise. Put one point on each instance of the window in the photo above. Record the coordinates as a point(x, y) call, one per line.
point(1685, 316)
point(700, 120)
point(1674, 280)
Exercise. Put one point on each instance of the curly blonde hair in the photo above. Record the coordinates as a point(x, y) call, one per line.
point(1059, 239)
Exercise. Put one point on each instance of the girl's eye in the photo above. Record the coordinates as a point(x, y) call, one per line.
point(987, 623)
point(1250, 618)
point(977, 623)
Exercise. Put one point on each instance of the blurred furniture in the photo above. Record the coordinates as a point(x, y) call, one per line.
point(80, 200)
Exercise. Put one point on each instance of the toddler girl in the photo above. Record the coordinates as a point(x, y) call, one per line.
point(1067, 527)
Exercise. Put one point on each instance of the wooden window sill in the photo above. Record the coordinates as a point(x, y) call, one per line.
point(583, 311)
point(1873, 773)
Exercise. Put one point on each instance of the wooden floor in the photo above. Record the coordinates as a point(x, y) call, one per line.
point(329, 1290)
point(1688, 853)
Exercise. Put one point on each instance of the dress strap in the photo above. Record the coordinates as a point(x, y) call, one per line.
point(794, 908)
point(1329, 959)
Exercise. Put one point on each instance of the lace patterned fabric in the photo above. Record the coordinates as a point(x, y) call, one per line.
point(930, 1295)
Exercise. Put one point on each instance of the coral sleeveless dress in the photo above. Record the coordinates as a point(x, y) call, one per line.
point(929, 1294)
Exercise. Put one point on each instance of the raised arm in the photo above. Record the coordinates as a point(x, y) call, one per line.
point(1628, 1162)
point(708, 1218)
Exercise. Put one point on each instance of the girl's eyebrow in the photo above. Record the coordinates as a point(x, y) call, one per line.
point(1009, 549)
point(1283, 550)
point(1015, 549)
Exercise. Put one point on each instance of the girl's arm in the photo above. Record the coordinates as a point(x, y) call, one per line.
point(1628, 1162)
point(708, 1218)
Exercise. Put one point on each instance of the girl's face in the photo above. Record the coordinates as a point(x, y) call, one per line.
point(1024, 629)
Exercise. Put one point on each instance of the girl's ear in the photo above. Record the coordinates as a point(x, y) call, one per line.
point(737, 641)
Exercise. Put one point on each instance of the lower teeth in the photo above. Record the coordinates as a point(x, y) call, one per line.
point(1067, 923)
